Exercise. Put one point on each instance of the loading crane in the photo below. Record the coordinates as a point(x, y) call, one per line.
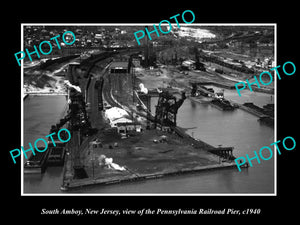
point(167, 108)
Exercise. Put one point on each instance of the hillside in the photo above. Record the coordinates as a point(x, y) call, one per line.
point(49, 79)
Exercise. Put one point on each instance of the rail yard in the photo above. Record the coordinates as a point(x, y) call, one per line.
point(122, 114)
point(146, 145)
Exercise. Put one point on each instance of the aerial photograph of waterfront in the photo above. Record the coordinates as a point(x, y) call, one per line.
point(162, 117)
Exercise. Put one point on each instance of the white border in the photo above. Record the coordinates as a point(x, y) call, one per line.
point(22, 111)
point(148, 194)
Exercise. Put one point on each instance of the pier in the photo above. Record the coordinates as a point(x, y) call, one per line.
point(157, 149)
point(135, 177)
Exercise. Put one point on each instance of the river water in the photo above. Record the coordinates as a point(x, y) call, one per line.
point(238, 129)
point(40, 112)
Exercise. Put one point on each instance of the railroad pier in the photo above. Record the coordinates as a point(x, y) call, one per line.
point(140, 146)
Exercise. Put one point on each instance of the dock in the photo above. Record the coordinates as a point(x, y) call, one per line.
point(144, 158)
point(157, 149)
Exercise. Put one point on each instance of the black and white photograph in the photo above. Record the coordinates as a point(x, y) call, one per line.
point(138, 110)
point(171, 113)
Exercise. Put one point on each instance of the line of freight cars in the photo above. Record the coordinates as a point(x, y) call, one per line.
point(214, 59)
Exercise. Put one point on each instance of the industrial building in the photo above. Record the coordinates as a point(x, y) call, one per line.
point(119, 67)
point(121, 120)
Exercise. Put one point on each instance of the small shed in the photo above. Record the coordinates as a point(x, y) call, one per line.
point(188, 64)
point(119, 67)
point(129, 127)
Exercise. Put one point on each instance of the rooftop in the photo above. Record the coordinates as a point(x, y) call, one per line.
point(119, 65)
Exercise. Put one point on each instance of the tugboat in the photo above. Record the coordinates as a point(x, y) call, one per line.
point(221, 103)
point(268, 118)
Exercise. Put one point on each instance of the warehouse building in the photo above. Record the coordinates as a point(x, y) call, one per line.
point(119, 67)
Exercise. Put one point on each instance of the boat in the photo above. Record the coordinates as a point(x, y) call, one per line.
point(36, 163)
point(269, 121)
point(269, 109)
point(57, 148)
point(222, 104)
point(201, 99)
point(56, 154)
point(253, 109)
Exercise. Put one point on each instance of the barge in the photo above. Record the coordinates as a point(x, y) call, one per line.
point(36, 163)
point(222, 104)
point(266, 110)
point(56, 148)
point(267, 120)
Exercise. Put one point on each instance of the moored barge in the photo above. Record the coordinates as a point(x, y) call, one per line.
point(56, 154)
point(36, 163)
